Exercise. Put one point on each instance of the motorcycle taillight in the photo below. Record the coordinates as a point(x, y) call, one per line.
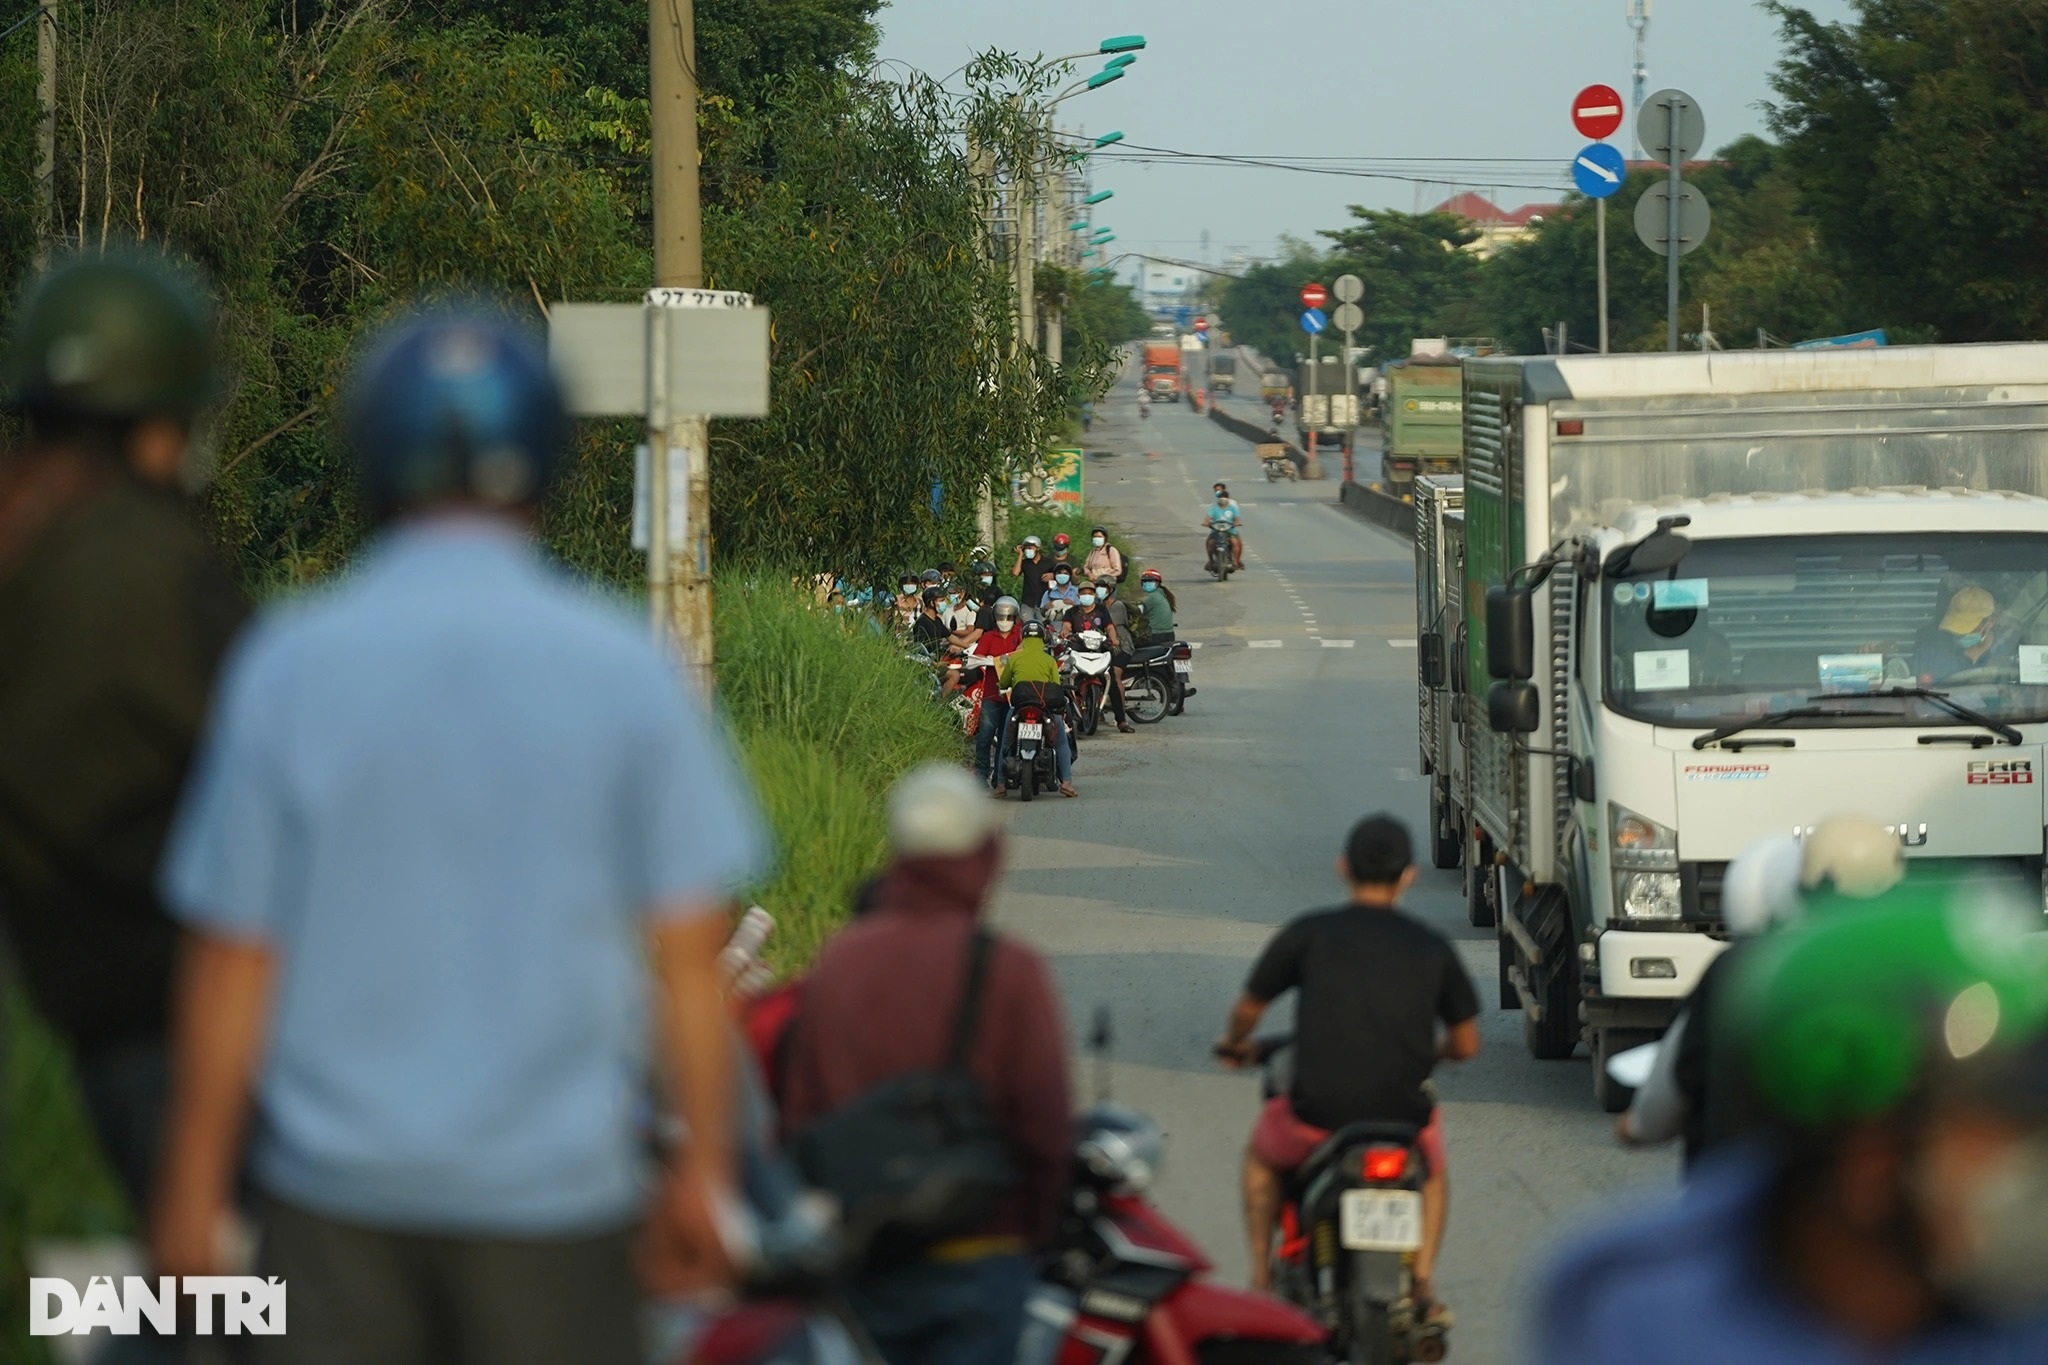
point(1030, 713)
point(1383, 1163)
point(1183, 651)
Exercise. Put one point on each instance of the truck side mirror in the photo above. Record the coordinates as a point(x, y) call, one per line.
point(1513, 708)
point(1584, 787)
point(1431, 649)
point(1510, 633)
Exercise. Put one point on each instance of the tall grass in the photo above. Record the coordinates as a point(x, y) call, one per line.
point(827, 714)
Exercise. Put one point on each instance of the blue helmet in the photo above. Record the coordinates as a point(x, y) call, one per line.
point(454, 405)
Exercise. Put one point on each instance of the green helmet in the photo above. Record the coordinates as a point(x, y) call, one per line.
point(118, 335)
point(1849, 1014)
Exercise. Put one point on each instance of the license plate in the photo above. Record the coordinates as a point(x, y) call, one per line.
point(1030, 730)
point(1182, 666)
point(1380, 1220)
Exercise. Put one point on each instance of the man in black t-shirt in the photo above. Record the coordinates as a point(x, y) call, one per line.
point(1375, 987)
point(929, 631)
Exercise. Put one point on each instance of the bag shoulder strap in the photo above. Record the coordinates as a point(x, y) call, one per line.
point(965, 1024)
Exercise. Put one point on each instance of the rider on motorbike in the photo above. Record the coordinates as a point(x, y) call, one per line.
point(1097, 611)
point(1001, 638)
point(1225, 510)
point(1157, 604)
point(1383, 1000)
point(1767, 887)
point(1890, 1201)
point(1030, 664)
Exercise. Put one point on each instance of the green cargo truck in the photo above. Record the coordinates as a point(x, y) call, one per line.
point(1421, 419)
point(1223, 372)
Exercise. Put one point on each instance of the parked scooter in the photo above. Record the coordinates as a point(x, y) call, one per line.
point(1156, 681)
point(1350, 1226)
point(1122, 1285)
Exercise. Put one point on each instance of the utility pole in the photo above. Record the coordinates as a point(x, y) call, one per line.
point(678, 576)
point(1639, 20)
point(46, 126)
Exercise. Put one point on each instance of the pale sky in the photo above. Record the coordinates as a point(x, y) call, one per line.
point(1433, 89)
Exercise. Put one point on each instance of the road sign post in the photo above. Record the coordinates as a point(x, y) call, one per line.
point(1599, 170)
point(1349, 317)
point(1671, 125)
point(1313, 297)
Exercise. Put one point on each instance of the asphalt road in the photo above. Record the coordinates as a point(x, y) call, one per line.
point(1193, 839)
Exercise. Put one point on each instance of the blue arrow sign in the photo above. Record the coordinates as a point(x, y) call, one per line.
point(1313, 321)
point(1598, 171)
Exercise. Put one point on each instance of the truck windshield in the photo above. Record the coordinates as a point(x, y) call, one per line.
point(1743, 629)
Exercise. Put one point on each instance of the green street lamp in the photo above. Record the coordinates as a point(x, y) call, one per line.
point(1102, 234)
point(1077, 227)
point(1105, 241)
point(1108, 138)
point(1102, 78)
point(1119, 63)
point(1099, 196)
point(1130, 42)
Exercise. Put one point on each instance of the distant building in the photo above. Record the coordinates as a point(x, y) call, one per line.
point(1166, 288)
point(1496, 226)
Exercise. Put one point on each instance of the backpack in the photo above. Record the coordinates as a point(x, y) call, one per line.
point(917, 1158)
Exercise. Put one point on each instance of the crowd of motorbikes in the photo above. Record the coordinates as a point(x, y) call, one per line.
point(1156, 680)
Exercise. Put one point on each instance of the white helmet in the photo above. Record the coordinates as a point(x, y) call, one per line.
point(1853, 856)
point(1768, 883)
point(1762, 887)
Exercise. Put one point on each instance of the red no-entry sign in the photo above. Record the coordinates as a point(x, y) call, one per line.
point(1314, 296)
point(1201, 324)
point(1597, 111)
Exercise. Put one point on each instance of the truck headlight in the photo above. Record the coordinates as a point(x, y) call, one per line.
point(1639, 843)
point(1650, 895)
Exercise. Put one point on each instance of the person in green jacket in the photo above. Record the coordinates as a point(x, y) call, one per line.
point(1030, 664)
point(1157, 604)
point(116, 613)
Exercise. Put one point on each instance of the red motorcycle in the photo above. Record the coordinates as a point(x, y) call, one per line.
point(1122, 1285)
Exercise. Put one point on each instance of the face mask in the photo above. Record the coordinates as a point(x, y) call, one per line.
point(2001, 1271)
point(987, 582)
point(1061, 578)
point(1151, 587)
point(1972, 640)
point(1087, 599)
point(1098, 542)
point(909, 588)
point(1004, 620)
point(1031, 554)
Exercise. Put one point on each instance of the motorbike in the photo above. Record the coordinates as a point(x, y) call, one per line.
point(1122, 1286)
point(1087, 660)
point(1156, 681)
point(1032, 764)
point(1350, 1225)
point(1219, 562)
point(1273, 457)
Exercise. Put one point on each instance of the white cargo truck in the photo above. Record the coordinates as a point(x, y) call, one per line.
point(1709, 598)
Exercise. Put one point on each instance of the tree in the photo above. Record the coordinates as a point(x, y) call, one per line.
point(1912, 134)
point(742, 45)
point(1262, 307)
point(1419, 279)
point(1102, 314)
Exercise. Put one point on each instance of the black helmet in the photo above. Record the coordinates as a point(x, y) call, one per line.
point(934, 596)
point(118, 335)
point(455, 404)
point(930, 577)
point(1033, 630)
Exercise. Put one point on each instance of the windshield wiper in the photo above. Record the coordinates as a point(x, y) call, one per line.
point(1721, 732)
point(1967, 714)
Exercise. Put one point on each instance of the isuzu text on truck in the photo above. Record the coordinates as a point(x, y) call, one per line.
point(1704, 599)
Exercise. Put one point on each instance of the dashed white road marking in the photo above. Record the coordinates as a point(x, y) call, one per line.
point(1263, 644)
point(1337, 644)
point(1401, 644)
